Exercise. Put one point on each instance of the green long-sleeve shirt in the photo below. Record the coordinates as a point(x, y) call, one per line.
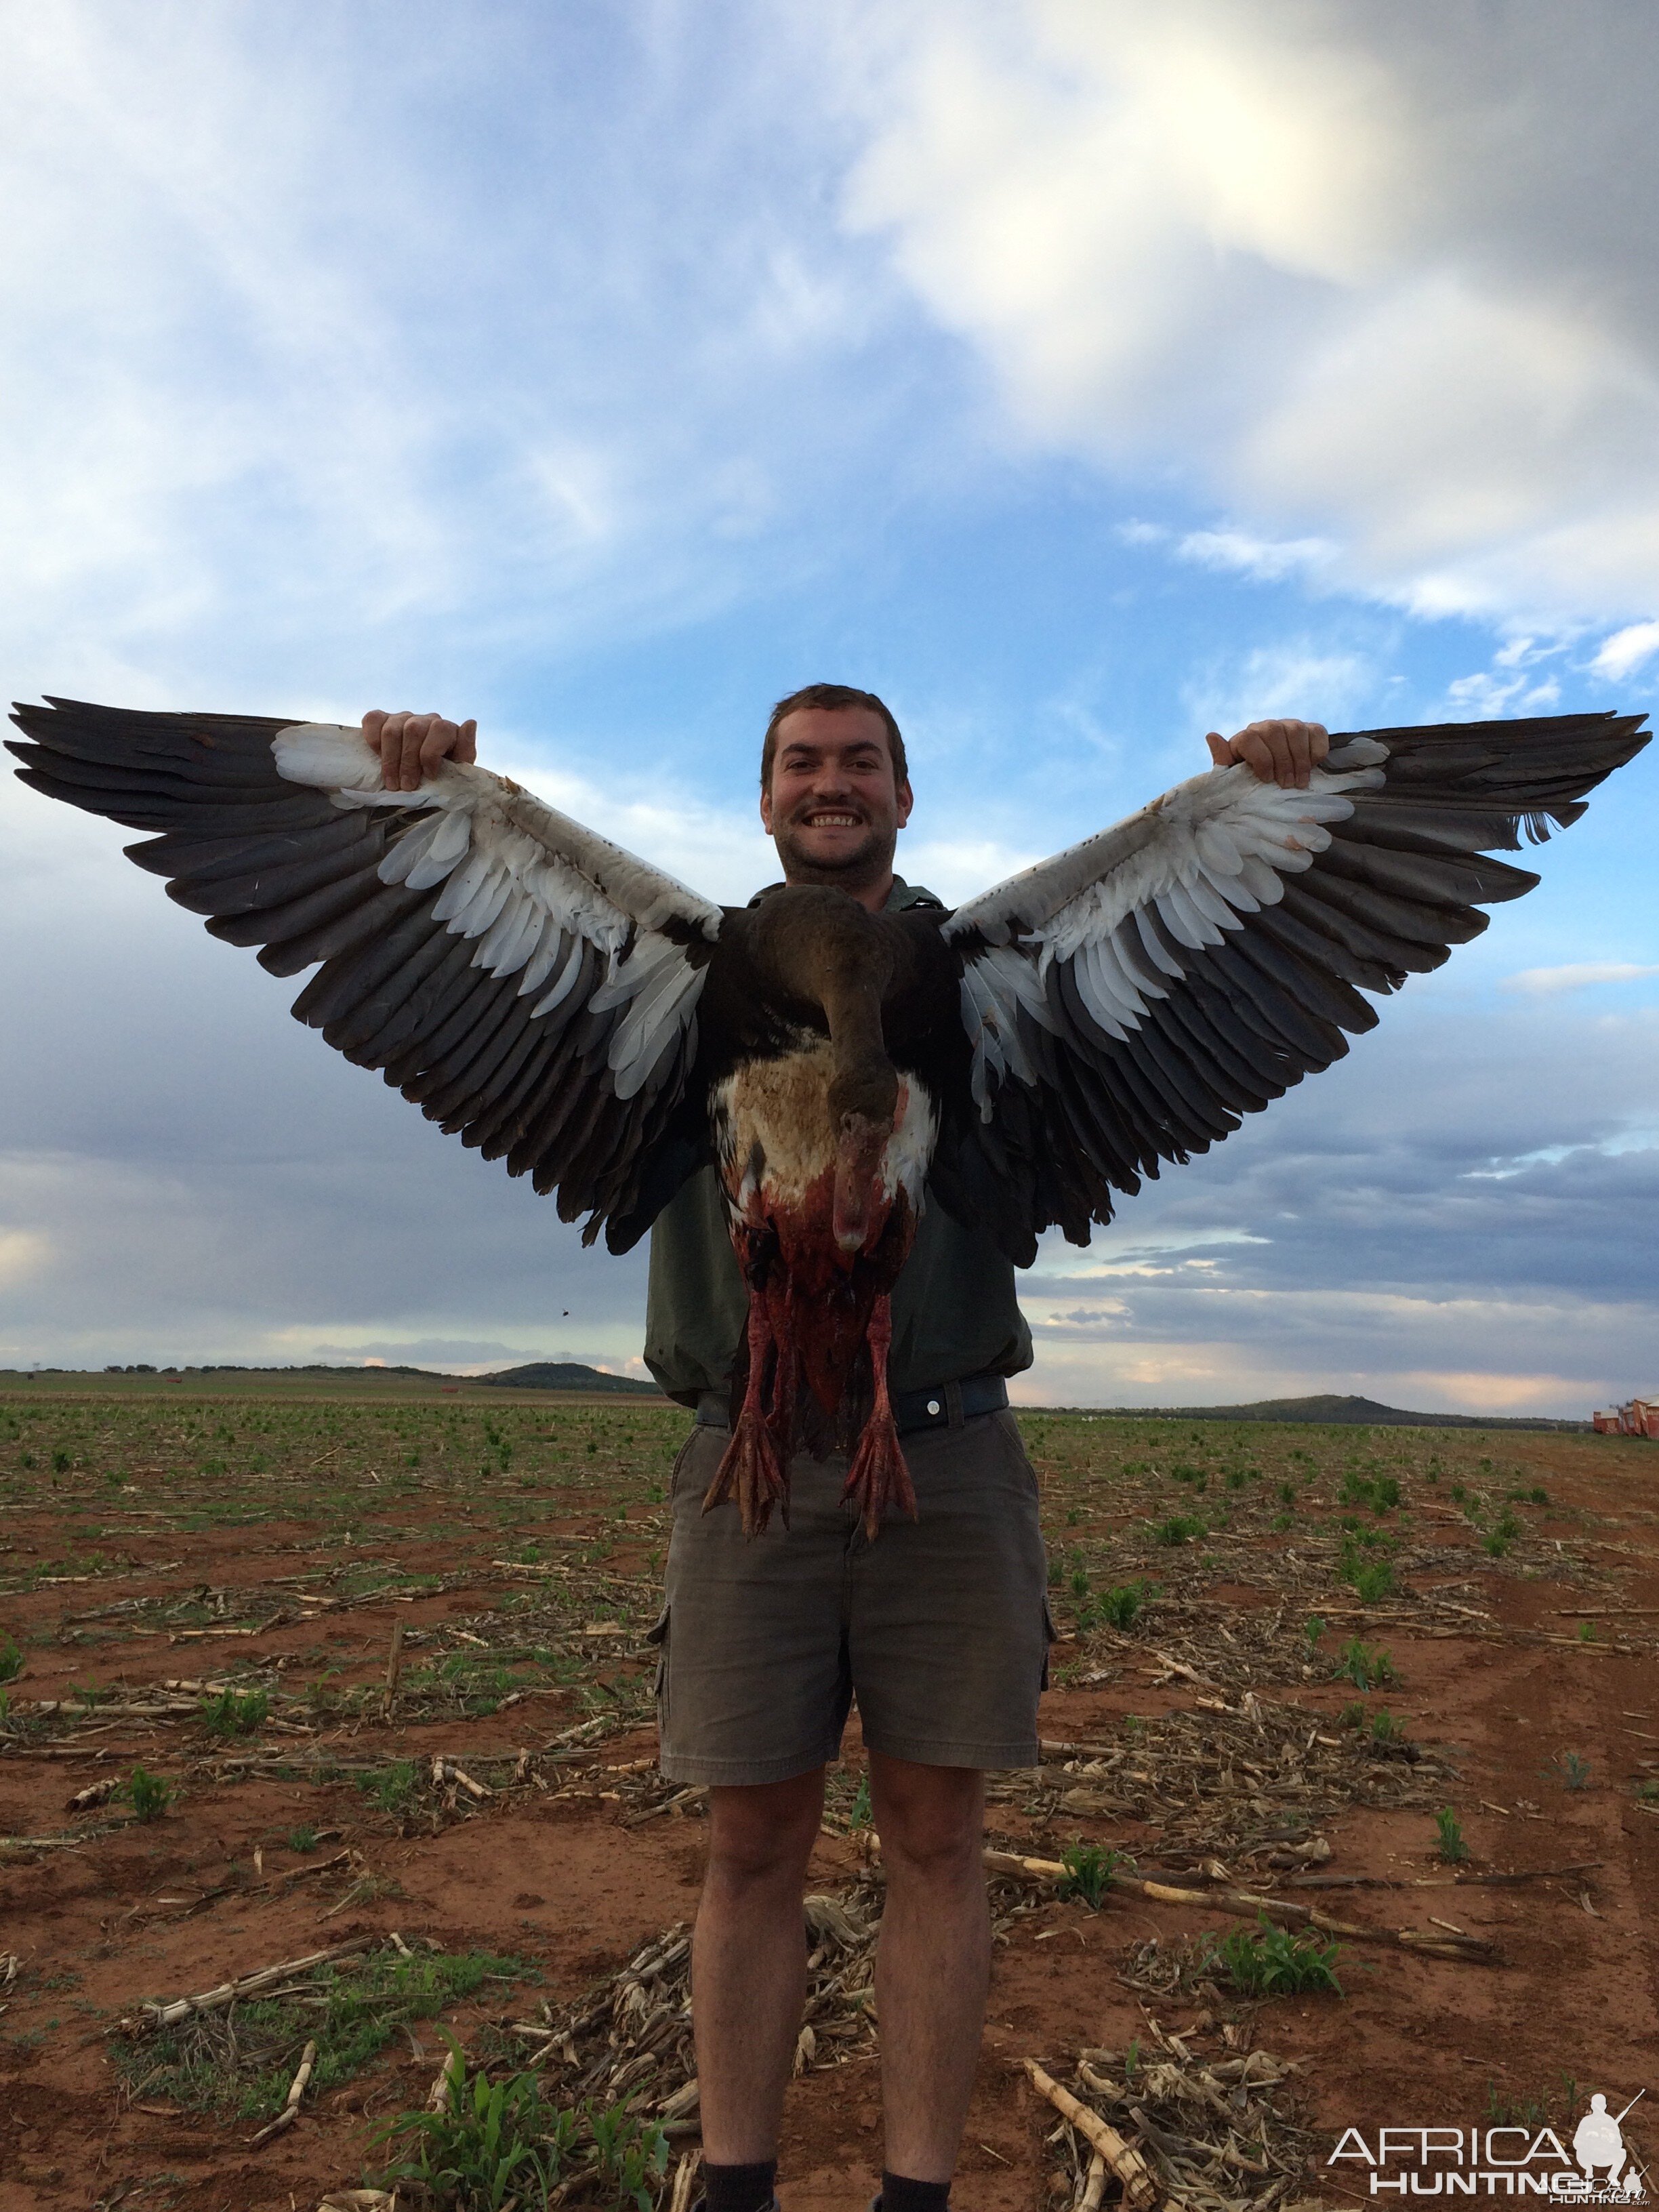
point(955, 1312)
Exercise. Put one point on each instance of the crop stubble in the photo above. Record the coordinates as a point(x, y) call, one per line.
point(207, 1581)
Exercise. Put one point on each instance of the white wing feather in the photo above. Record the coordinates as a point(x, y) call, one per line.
point(1202, 857)
point(523, 878)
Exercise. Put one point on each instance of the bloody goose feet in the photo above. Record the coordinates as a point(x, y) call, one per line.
point(878, 1481)
point(750, 1467)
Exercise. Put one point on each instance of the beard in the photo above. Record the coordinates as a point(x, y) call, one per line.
point(865, 862)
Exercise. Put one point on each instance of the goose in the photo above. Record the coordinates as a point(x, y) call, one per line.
point(1024, 1062)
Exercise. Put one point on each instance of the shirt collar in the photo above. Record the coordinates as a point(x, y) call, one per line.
point(903, 896)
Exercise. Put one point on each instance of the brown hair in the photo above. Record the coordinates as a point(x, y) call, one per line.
point(838, 698)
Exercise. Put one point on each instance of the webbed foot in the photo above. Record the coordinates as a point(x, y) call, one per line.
point(751, 1471)
point(750, 1467)
point(878, 1481)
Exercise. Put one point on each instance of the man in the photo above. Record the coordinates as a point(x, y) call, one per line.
point(938, 1627)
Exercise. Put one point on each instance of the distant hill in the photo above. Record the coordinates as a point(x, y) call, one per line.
point(1353, 1412)
point(567, 1375)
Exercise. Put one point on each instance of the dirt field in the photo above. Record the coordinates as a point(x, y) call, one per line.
point(1282, 1653)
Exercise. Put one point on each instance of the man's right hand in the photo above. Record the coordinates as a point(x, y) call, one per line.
point(412, 745)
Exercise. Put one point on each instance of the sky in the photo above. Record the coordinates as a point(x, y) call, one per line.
point(1080, 376)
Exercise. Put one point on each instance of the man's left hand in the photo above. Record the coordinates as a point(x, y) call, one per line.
point(1284, 753)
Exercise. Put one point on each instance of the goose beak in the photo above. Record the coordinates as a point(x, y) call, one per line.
point(859, 1157)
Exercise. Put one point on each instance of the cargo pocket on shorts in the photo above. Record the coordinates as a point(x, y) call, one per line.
point(1047, 1638)
point(1013, 1443)
point(658, 1634)
point(680, 1458)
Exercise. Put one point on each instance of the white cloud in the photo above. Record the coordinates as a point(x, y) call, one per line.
point(1575, 975)
point(1246, 553)
point(1355, 272)
point(487, 322)
point(1625, 651)
point(1486, 695)
point(1299, 677)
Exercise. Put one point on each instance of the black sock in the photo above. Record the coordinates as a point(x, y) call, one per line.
point(899, 2194)
point(739, 2188)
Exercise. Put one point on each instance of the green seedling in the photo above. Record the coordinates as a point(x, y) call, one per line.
point(1312, 1630)
point(1367, 1666)
point(861, 1815)
point(1088, 1875)
point(1385, 1728)
point(1270, 1962)
point(1570, 1770)
point(235, 1712)
point(1120, 1605)
point(1515, 2113)
point(1587, 1632)
point(1380, 1491)
point(1363, 1563)
point(301, 1839)
point(11, 1659)
point(148, 1795)
point(1452, 1848)
point(1179, 1530)
point(495, 2142)
point(394, 1791)
point(632, 2155)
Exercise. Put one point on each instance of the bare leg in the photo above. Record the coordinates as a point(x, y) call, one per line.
point(879, 1477)
point(933, 1964)
point(749, 1961)
point(750, 1466)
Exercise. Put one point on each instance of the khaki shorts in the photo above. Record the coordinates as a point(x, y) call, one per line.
point(939, 1628)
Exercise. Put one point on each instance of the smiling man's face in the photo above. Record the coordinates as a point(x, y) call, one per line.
point(832, 807)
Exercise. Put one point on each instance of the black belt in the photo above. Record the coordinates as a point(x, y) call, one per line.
point(946, 1406)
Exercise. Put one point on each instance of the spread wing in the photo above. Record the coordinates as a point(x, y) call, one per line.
point(1128, 1001)
point(531, 986)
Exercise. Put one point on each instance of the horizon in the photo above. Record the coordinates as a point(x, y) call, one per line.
point(1248, 1409)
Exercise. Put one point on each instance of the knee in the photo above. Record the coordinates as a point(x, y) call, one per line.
point(763, 1835)
point(934, 1852)
point(935, 1832)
